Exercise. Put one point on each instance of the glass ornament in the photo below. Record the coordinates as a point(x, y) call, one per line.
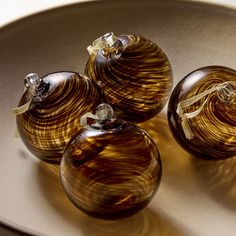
point(202, 112)
point(49, 111)
point(110, 169)
point(134, 73)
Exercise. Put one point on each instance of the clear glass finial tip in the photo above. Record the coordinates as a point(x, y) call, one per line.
point(32, 81)
point(227, 93)
point(104, 112)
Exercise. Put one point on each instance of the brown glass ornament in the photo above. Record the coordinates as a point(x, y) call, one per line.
point(134, 73)
point(55, 104)
point(111, 169)
point(202, 112)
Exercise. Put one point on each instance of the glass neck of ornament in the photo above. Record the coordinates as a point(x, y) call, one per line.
point(103, 119)
point(36, 88)
point(109, 45)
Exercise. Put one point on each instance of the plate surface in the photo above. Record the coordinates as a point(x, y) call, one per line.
point(196, 197)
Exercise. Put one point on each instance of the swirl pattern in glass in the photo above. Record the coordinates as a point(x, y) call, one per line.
point(111, 173)
point(49, 124)
point(214, 128)
point(137, 82)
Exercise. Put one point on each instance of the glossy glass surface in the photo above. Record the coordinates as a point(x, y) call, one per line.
point(214, 128)
point(111, 172)
point(49, 124)
point(136, 81)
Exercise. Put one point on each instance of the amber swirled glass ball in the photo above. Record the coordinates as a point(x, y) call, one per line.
point(134, 73)
point(111, 170)
point(202, 112)
point(55, 104)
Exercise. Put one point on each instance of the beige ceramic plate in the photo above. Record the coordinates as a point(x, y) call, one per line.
point(196, 197)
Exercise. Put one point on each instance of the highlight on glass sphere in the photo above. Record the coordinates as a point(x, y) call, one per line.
point(134, 73)
point(111, 169)
point(202, 112)
point(50, 109)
